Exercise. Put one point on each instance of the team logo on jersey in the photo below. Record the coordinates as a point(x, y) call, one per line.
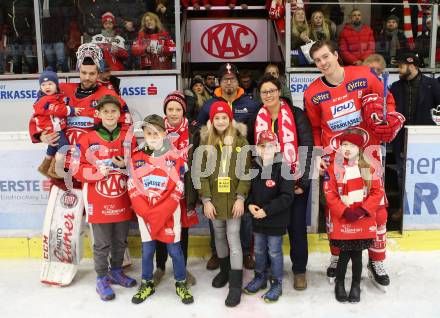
point(69, 200)
point(359, 83)
point(94, 147)
point(94, 103)
point(114, 186)
point(155, 182)
point(270, 183)
point(343, 108)
point(321, 97)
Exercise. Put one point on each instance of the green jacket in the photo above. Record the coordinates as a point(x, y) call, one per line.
point(223, 202)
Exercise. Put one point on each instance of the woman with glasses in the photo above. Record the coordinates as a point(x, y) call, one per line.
point(294, 133)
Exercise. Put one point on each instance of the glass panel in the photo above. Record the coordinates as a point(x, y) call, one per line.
point(360, 30)
point(17, 34)
point(114, 26)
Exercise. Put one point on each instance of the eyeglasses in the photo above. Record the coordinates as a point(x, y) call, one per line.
point(269, 92)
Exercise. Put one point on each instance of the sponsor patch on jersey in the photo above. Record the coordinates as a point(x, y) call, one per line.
point(270, 183)
point(321, 97)
point(106, 162)
point(344, 122)
point(80, 122)
point(94, 103)
point(170, 163)
point(139, 163)
point(94, 147)
point(343, 108)
point(155, 182)
point(357, 84)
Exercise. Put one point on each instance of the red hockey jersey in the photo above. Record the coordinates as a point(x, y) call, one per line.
point(78, 125)
point(105, 198)
point(50, 113)
point(155, 188)
point(331, 110)
point(338, 199)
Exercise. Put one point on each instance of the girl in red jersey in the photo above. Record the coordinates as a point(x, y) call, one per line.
point(105, 195)
point(353, 191)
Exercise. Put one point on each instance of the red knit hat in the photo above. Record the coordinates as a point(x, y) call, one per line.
point(108, 16)
point(267, 136)
point(220, 107)
point(353, 138)
point(175, 96)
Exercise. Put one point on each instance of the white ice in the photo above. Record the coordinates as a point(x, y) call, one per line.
point(414, 292)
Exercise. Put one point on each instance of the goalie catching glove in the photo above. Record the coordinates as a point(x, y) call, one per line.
point(372, 107)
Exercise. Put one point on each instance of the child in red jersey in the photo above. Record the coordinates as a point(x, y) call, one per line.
point(50, 112)
point(105, 195)
point(156, 189)
point(353, 191)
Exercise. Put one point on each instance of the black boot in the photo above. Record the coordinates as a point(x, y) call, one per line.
point(235, 282)
point(355, 292)
point(221, 278)
point(340, 293)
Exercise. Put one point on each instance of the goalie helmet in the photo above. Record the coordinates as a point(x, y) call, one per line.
point(92, 51)
point(435, 114)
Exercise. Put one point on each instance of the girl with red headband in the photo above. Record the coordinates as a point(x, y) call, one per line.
point(353, 191)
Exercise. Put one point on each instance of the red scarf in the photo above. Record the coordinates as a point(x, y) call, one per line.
point(179, 136)
point(287, 136)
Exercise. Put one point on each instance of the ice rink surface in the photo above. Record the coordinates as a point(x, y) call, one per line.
point(414, 292)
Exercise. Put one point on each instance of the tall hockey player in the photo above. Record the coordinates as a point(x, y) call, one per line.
point(347, 97)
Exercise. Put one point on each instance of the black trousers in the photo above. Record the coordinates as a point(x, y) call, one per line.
point(356, 265)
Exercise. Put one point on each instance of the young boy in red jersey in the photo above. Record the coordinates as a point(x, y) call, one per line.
point(105, 195)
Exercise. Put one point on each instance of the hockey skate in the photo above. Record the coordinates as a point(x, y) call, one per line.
point(378, 275)
point(331, 270)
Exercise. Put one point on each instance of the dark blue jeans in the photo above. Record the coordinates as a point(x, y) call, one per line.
point(297, 230)
point(52, 150)
point(174, 250)
point(267, 245)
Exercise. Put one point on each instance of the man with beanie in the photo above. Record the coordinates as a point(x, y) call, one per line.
point(415, 95)
point(391, 42)
point(243, 109)
point(356, 41)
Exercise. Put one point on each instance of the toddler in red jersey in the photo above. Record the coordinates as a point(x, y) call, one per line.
point(50, 112)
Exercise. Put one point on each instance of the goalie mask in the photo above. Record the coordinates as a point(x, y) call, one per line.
point(92, 51)
point(435, 114)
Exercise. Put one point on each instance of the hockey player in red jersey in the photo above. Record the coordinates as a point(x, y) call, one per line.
point(347, 97)
point(156, 188)
point(108, 207)
point(83, 95)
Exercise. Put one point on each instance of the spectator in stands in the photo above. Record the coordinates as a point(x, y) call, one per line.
point(243, 108)
point(210, 84)
point(415, 95)
point(111, 43)
point(248, 84)
point(187, 3)
point(391, 42)
point(108, 80)
point(130, 10)
point(272, 69)
point(55, 22)
point(197, 100)
point(20, 29)
point(356, 41)
point(154, 45)
point(277, 11)
point(299, 36)
point(320, 28)
point(130, 34)
point(423, 45)
point(165, 11)
point(376, 62)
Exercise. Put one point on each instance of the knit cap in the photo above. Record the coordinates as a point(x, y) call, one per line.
point(353, 138)
point(220, 107)
point(175, 96)
point(108, 16)
point(48, 75)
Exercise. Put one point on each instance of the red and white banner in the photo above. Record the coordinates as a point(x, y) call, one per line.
point(229, 40)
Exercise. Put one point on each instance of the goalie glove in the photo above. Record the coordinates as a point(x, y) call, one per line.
point(435, 115)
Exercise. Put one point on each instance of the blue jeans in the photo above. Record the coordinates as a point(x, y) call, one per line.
point(52, 150)
point(55, 54)
point(265, 245)
point(297, 230)
point(174, 250)
point(26, 50)
point(246, 233)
